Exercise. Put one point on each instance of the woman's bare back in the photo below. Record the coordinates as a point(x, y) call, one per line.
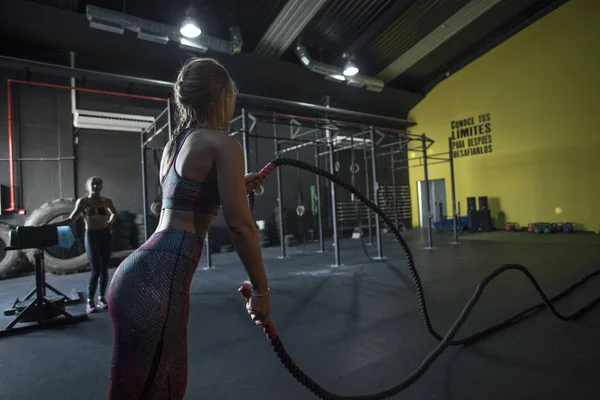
point(194, 162)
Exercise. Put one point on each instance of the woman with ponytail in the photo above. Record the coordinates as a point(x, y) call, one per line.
point(202, 169)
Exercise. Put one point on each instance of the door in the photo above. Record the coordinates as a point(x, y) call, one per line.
point(437, 201)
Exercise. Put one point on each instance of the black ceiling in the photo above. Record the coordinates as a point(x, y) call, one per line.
point(377, 32)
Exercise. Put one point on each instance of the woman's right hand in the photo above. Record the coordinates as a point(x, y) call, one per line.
point(259, 309)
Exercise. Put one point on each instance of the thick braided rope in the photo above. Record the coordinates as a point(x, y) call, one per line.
point(446, 340)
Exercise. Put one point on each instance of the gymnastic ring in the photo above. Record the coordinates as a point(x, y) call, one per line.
point(300, 210)
point(354, 168)
point(155, 207)
point(337, 166)
point(262, 190)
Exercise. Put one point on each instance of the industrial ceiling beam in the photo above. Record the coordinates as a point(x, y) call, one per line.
point(286, 27)
point(462, 18)
point(115, 22)
point(375, 27)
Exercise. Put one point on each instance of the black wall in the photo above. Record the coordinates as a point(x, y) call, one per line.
point(295, 181)
point(42, 127)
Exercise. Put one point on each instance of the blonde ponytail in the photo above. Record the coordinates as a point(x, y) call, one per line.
point(203, 95)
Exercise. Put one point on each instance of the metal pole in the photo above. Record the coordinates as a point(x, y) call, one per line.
point(394, 199)
point(336, 242)
point(368, 194)
point(319, 214)
point(353, 182)
point(427, 194)
point(454, 216)
point(279, 193)
point(207, 246)
point(245, 144)
point(168, 136)
point(144, 187)
point(56, 69)
point(73, 108)
point(38, 159)
point(375, 196)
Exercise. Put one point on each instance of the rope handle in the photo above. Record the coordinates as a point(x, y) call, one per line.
point(267, 169)
point(246, 291)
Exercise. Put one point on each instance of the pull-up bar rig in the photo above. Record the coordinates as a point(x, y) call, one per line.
point(441, 158)
point(298, 138)
point(369, 139)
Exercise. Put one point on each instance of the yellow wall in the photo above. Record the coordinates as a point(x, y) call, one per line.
point(542, 90)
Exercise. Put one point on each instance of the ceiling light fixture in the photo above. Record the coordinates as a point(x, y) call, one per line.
point(189, 27)
point(350, 69)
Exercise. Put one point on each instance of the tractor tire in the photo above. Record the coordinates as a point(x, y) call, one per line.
point(10, 261)
point(75, 259)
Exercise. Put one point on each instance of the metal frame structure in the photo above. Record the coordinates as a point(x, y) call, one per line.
point(244, 99)
point(424, 162)
point(370, 139)
point(327, 138)
point(332, 120)
point(390, 150)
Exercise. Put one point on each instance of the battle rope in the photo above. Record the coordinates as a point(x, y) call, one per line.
point(446, 340)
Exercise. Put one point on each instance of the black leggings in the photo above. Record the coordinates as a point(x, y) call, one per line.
point(98, 246)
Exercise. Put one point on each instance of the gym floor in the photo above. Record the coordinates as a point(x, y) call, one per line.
point(355, 329)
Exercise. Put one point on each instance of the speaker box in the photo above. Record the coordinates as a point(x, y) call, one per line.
point(480, 221)
point(471, 205)
point(483, 202)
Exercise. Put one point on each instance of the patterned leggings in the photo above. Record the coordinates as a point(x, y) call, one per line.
point(149, 307)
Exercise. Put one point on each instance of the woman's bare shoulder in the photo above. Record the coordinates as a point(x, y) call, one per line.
point(216, 140)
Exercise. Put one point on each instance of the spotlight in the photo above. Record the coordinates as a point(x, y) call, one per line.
point(189, 28)
point(350, 69)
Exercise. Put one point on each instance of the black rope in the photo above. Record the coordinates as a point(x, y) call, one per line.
point(251, 197)
point(444, 341)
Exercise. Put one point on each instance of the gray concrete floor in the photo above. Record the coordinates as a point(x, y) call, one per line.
point(355, 329)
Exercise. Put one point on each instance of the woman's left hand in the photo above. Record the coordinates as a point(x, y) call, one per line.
point(254, 177)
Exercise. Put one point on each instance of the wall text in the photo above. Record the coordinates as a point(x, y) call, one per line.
point(472, 136)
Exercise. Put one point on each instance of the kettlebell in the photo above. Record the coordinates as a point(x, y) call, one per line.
point(509, 227)
point(530, 228)
point(547, 228)
point(559, 227)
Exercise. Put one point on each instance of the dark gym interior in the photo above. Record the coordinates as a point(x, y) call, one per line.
point(470, 124)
